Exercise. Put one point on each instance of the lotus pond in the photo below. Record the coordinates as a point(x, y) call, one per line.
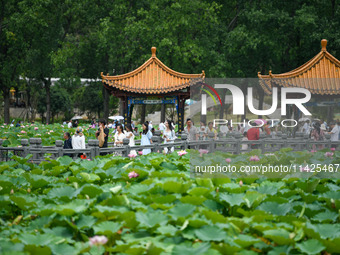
point(48, 133)
point(151, 205)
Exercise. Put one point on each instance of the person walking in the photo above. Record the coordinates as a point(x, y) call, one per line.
point(146, 137)
point(105, 130)
point(253, 134)
point(169, 136)
point(317, 134)
point(306, 127)
point(78, 140)
point(150, 126)
point(161, 126)
point(191, 131)
point(131, 137)
point(210, 129)
point(67, 143)
point(334, 133)
point(119, 136)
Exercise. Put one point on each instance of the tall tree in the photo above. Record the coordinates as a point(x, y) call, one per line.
point(46, 20)
point(12, 49)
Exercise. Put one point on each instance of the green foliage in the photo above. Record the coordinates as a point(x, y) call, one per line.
point(60, 101)
point(43, 211)
point(82, 38)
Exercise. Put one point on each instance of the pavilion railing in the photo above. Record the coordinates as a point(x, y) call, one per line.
point(232, 144)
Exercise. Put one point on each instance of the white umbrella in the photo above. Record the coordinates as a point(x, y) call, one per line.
point(116, 117)
point(77, 118)
point(303, 119)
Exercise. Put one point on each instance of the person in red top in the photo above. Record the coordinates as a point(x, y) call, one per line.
point(253, 134)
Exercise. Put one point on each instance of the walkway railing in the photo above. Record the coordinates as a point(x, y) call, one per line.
point(232, 144)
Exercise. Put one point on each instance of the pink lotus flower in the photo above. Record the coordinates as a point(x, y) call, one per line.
point(23, 132)
point(132, 155)
point(329, 154)
point(332, 149)
point(241, 183)
point(304, 169)
point(181, 153)
point(12, 191)
point(312, 151)
point(22, 126)
point(62, 126)
point(133, 174)
point(51, 131)
point(36, 128)
point(98, 240)
point(203, 151)
point(228, 160)
point(254, 158)
point(140, 152)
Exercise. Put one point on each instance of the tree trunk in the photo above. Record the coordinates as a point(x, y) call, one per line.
point(330, 114)
point(106, 98)
point(6, 105)
point(143, 113)
point(121, 107)
point(48, 99)
point(163, 106)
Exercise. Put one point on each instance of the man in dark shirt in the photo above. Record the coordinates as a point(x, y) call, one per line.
point(106, 131)
point(67, 142)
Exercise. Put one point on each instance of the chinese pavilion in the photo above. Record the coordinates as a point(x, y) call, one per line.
point(152, 83)
point(320, 75)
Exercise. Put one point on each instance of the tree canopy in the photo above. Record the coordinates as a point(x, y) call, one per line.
point(41, 39)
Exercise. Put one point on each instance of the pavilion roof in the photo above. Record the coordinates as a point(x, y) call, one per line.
point(320, 75)
point(153, 77)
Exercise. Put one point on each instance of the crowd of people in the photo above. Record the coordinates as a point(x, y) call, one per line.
point(315, 130)
point(119, 133)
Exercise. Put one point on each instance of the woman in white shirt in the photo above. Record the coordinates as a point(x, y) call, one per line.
point(146, 138)
point(78, 140)
point(131, 136)
point(119, 136)
point(168, 136)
